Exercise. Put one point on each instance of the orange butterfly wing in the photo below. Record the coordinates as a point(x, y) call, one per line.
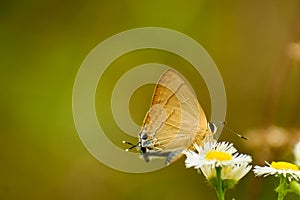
point(175, 119)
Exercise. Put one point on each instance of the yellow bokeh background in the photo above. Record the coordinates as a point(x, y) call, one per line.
point(43, 44)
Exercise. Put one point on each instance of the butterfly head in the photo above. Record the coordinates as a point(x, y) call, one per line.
point(143, 145)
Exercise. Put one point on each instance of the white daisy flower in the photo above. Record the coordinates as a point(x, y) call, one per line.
point(220, 163)
point(215, 154)
point(297, 153)
point(212, 155)
point(288, 170)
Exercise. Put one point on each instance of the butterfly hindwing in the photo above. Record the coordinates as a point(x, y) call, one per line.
point(175, 119)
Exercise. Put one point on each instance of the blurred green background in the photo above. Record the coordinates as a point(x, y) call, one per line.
point(43, 44)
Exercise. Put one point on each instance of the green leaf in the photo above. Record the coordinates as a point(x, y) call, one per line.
point(295, 187)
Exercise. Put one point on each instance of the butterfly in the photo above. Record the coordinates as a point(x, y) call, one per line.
point(174, 122)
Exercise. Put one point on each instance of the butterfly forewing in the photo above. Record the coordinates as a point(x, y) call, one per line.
point(175, 119)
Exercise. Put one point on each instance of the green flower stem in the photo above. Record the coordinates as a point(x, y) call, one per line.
point(219, 185)
point(282, 188)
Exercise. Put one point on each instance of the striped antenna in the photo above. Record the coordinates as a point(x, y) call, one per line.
point(132, 145)
point(230, 130)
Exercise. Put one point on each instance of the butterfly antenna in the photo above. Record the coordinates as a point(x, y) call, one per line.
point(230, 130)
point(235, 133)
point(132, 145)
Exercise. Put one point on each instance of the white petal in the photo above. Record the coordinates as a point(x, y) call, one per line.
point(266, 171)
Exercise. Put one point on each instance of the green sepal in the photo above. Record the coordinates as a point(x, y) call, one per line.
point(229, 183)
point(213, 182)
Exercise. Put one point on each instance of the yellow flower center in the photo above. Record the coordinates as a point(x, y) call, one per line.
point(218, 155)
point(284, 166)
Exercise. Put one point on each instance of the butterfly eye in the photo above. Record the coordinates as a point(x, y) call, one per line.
point(143, 150)
point(144, 136)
